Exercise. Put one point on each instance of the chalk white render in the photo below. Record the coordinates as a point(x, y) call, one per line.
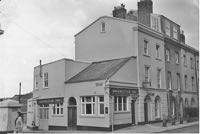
point(131, 68)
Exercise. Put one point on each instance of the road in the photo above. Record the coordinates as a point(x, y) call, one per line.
point(190, 129)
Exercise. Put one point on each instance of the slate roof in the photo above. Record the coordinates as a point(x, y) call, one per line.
point(99, 70)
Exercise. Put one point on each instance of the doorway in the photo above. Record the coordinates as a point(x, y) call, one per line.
point(72, 114)
point(147, 108)
point(133, 111)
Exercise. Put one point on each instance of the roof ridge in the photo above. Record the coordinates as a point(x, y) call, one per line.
point(113, 59)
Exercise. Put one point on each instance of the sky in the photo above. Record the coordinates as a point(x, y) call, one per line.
point(45, 29)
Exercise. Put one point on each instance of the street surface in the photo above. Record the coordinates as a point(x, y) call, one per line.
point(190, 129)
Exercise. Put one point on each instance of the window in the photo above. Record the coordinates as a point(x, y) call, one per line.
point(169, 79)
point(103, 27)
point(120, 103)
point(167, 28)
point(175, 32)
point(178, 81)
point(185, 60)
point(192, 83)
point(88, 105)
point(45, 80)
point(186, 103)
point(159, 78)
point(101, 105)
point(157, 107)
point(58, 109)
point(177, 57)
point(44, 111)
point(185, 82)
point(167, 55)
point(36, 82)
point(157, 51)
point(145, 47)
point(147, 74)
point(191, 63)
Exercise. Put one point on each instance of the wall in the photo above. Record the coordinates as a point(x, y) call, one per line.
point(3, 119)
point(150, 59)
point(117, 42)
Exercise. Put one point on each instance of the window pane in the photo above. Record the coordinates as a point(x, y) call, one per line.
point(83, 108)
point(54, 110)
point(124, 103)
point(120, 103)
point(58, 111)
point(88, 109)
point(101, 108)
point(93, 99)
point(101, 99)
point(115, 103)
point(83, 99)
point(61, 112)
point(88, 99)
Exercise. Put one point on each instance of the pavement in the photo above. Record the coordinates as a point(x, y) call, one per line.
point(154, 128)
point(147, 128)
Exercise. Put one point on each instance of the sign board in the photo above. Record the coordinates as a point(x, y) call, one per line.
point(50, 101)
point(123, 91)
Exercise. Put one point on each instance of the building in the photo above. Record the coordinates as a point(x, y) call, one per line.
point(48, 92)
point(135, 75)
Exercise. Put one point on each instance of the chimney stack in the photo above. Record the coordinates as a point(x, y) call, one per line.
point(120, 12)
point(182, 37)
point(40, 68)
point(145, 8)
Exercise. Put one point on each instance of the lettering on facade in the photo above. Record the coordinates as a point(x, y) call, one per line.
point(124, 92)
point(99, 84)
point(50, 101)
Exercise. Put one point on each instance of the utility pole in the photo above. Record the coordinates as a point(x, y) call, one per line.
point(19, 91)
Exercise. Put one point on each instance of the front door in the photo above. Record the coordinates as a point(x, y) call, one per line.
point(146, 112)
point(72, 118)
point(133, 111)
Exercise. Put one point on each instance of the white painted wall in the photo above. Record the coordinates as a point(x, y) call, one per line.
point(117, 42)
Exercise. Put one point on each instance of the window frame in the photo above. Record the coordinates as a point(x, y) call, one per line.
point(185, 80)
point(99, 107)
point(157, 51)
point(177, 57)
point(167, 28)
point(84, 104)
point(117, 104)
point(147, 74)
point(178, 81)
point(45, 80)
point(103, 27)
point(191, 63)
point(57, 107)
point(175, 32)
point(146, 47)
point(159, 78)
point(167, 53)
point(157, 108)
point(192, 79)
point(169, 80)
point(185, 60)
point(44, 111)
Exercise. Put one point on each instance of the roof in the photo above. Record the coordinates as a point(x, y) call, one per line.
point(99, 70)
point(10, 103)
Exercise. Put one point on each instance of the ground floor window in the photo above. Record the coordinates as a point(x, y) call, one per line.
point(100, 105)
point(88, 105)
point(120, 103)
point(58, 109)
point(44, 111)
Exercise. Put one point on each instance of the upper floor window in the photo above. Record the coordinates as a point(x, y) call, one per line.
point(191, 63)
point(177, 57)
point(175, 32)
point(178, 81)
point(169, 80)
point(45, 80)
point(88, 105)
point(192, 83)
point(146, 47)
point(36, 82)
point(159, 78)
point(185, 60)
point(103, 27)
point(157, 51)
point(167, 54)
point(167, 28)
point(120, 103)
point(147, 79)
point(185, 82)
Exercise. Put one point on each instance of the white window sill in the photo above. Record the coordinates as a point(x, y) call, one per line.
point(121, 112)
point(92, 116)
point(57, 115)
point(146, 55)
